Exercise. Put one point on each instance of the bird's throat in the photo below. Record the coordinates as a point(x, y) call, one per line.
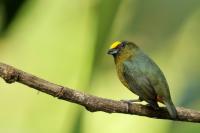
point(120, 58)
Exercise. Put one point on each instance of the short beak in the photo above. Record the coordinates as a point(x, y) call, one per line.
point(112, 51)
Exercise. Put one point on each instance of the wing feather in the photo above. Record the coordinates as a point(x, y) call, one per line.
point(139, 83)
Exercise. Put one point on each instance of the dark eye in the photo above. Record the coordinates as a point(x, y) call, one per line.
point(123, 44)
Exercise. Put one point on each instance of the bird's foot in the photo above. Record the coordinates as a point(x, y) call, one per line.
point(153, 107)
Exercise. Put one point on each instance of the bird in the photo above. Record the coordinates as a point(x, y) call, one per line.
point(141, 75)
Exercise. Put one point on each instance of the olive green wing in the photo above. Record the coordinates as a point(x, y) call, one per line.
point(139, 83)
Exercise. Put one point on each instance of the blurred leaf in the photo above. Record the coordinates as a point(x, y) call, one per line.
point(156, 21)
point(10, 9)
point(191, 93)
point(106, 12)
point(186, 72)
point(78, 125)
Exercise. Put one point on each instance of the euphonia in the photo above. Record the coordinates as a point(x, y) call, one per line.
point(141, 75)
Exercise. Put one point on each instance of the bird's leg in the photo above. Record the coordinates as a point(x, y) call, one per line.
point(132, 100)
point(152, 105)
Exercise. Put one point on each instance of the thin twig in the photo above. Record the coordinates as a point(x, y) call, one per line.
point(92, 103)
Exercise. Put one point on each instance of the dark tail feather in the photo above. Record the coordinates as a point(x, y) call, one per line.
point(171, 109)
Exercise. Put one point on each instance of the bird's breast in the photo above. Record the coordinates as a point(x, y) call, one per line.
point(119, 62)
point(120, 73)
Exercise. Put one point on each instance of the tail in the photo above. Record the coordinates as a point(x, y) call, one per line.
point(171, 109)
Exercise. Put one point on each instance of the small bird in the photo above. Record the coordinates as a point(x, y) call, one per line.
point(141, 75)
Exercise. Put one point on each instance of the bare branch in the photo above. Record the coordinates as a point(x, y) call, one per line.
point(92, 103)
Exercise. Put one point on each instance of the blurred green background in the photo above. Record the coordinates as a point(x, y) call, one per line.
point(66, 41)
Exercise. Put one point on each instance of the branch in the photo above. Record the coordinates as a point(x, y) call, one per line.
point(92, 103)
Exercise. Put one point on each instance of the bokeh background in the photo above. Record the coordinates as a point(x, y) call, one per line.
point(65, 41)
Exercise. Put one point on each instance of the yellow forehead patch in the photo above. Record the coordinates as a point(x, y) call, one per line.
point(115, 44)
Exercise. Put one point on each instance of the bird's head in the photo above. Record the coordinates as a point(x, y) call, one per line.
point(122, 48)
